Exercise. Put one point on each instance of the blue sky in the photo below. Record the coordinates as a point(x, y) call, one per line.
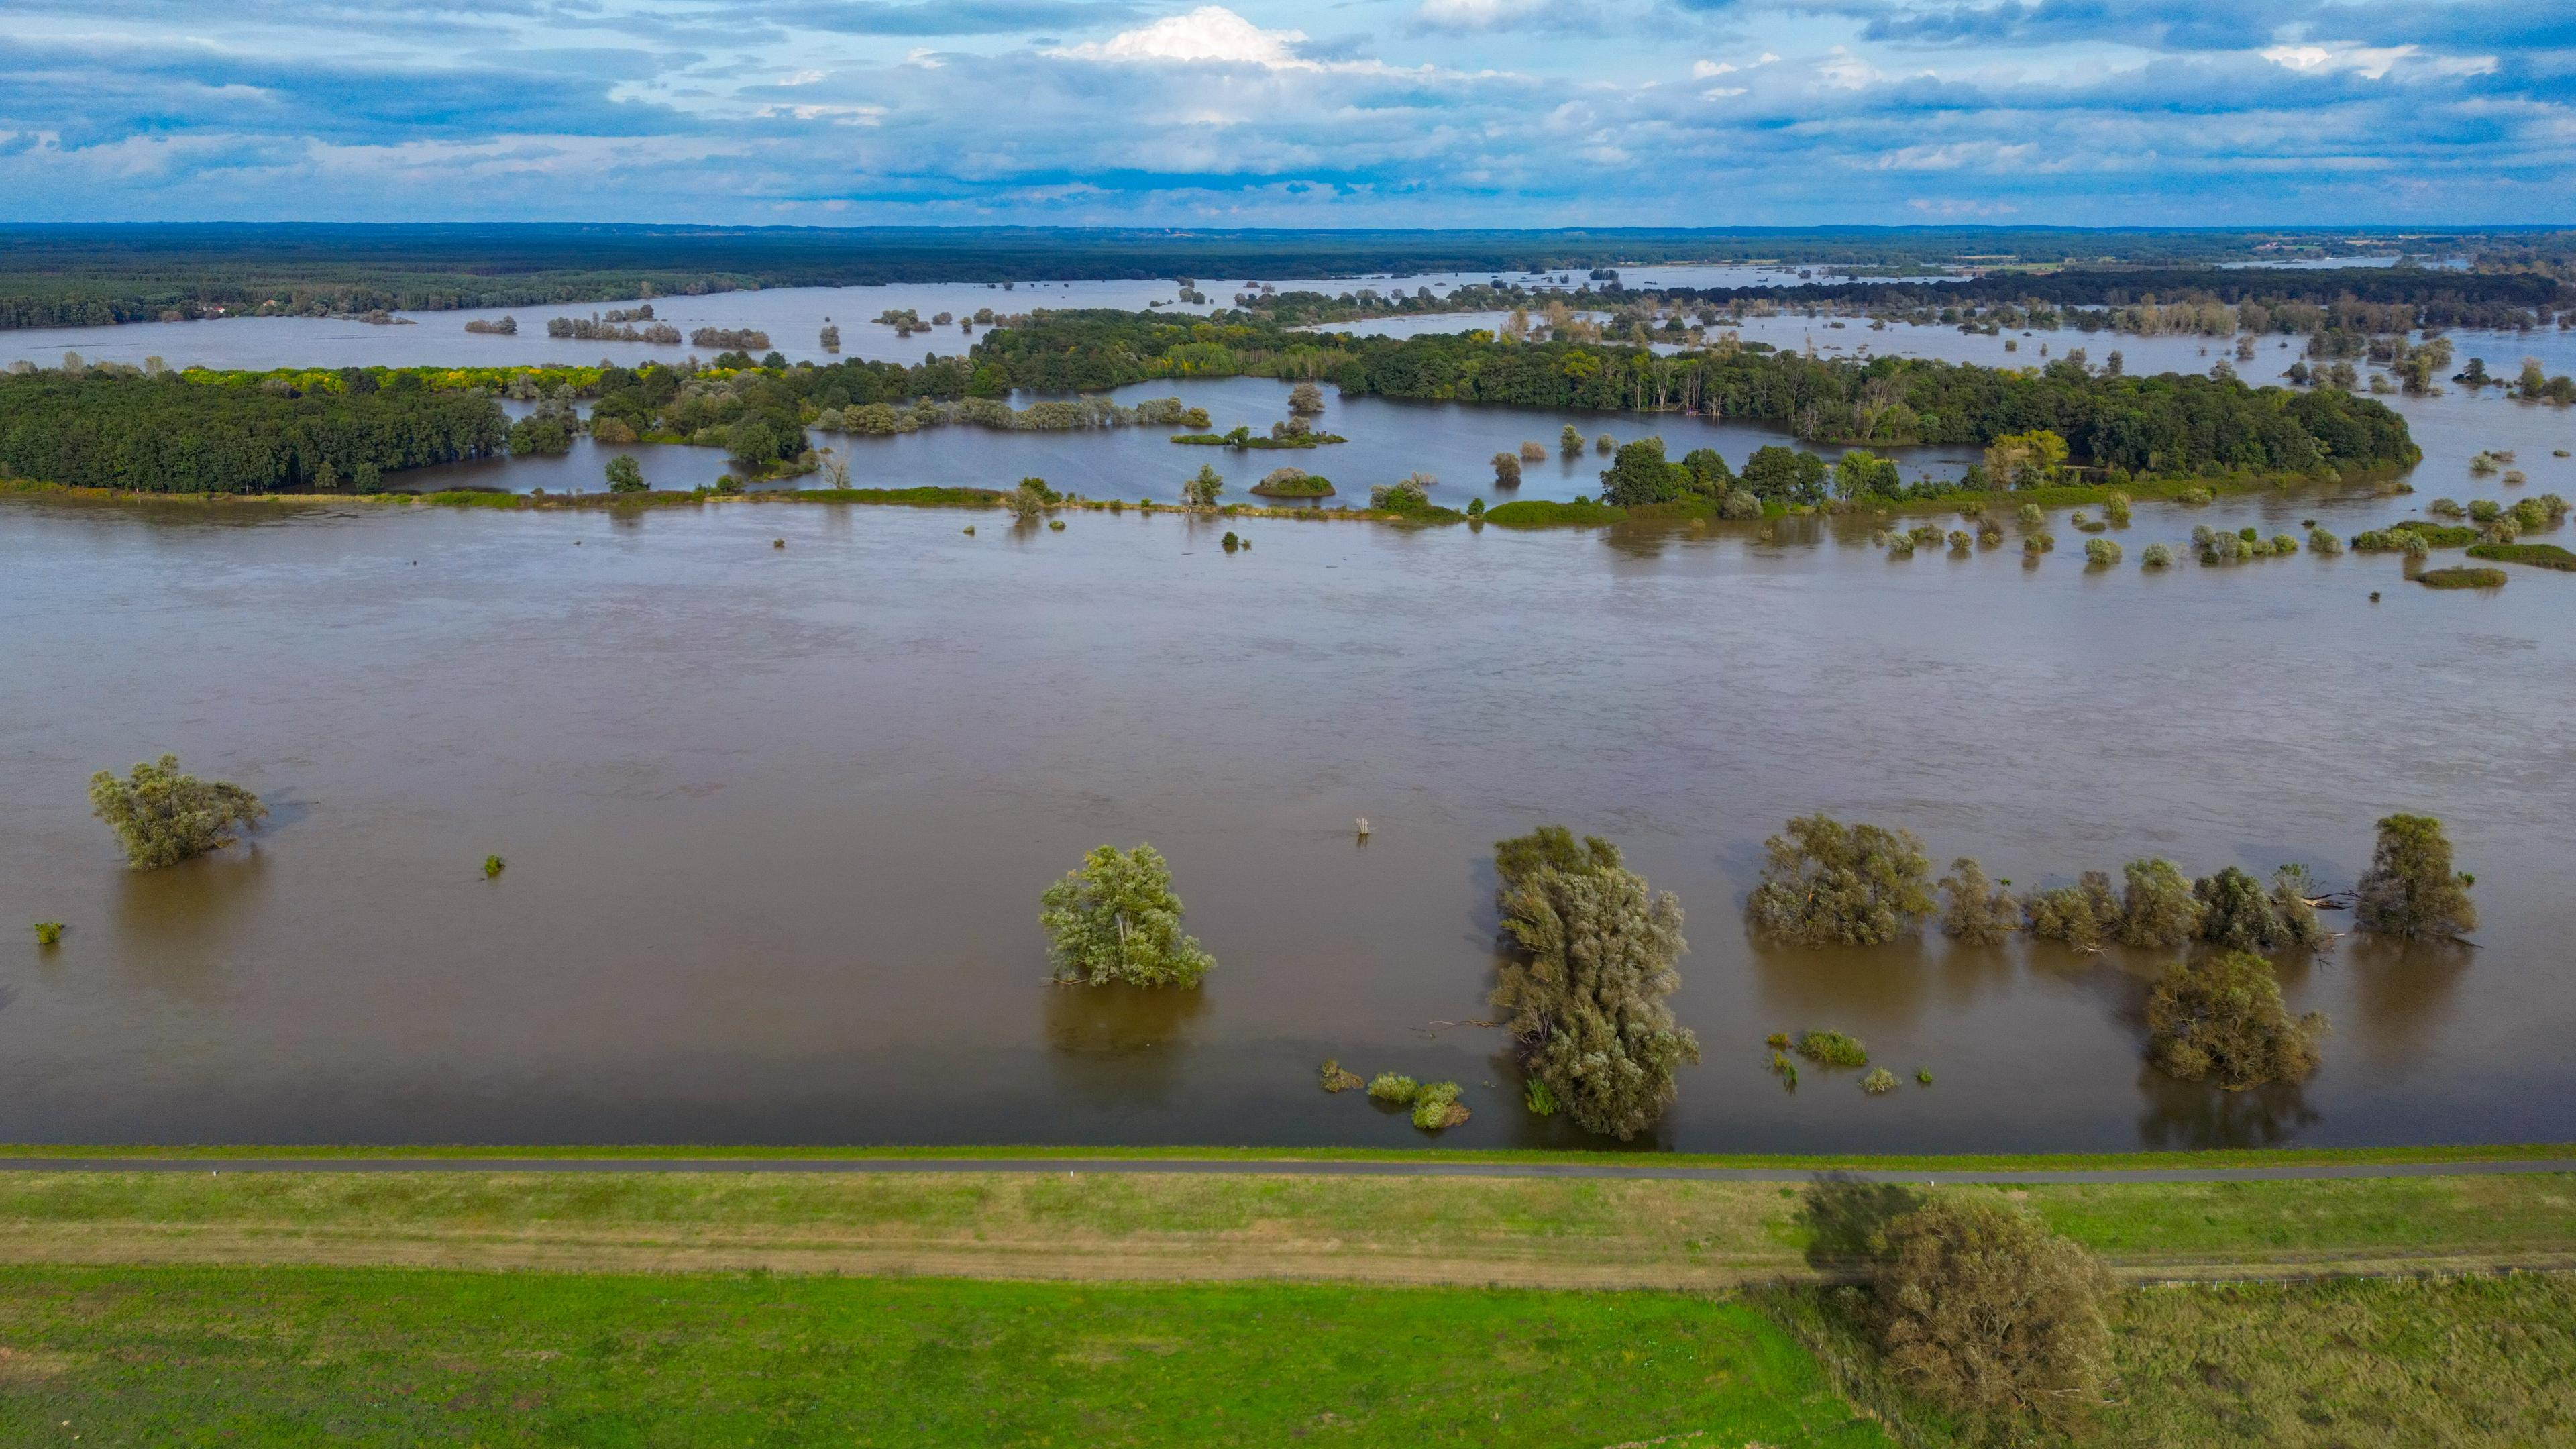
point(1252, 113)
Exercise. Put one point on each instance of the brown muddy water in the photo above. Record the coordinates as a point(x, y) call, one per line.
point(777, 819)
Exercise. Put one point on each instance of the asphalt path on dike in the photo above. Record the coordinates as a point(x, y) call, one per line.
point(1283, 1167)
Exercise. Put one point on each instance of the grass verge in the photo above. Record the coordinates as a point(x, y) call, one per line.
point(1530, 1232)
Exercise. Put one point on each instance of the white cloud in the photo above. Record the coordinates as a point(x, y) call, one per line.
point(1209, 33)
point(922, 57)
point(2368, 62)
point(1845, 71)
point(1707, 70)
point(803, 78)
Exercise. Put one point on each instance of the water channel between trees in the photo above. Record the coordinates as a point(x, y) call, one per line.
point(776, 819)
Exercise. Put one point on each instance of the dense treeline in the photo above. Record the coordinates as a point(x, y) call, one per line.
point(2164, 424)
point(81, 275)
point(165, 434)
point(2448, 291)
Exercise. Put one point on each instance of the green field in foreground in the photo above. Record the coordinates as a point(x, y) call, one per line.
point(302, 1356)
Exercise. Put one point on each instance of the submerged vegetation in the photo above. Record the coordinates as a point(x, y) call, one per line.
point(1827, 883)
point(2220, 1018)
point(162, 816)
point(1586, 988)
point(2411, 888)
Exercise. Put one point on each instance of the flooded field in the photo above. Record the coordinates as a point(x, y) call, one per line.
point(776, 819)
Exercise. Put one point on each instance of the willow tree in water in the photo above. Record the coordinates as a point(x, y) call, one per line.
point(1586, 989)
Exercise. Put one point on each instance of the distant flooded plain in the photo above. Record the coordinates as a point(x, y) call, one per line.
point(776, 819)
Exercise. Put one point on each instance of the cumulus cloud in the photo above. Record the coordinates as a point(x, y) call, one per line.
point(1060, 111)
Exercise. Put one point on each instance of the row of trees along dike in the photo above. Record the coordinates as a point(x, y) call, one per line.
point(2215, 1015)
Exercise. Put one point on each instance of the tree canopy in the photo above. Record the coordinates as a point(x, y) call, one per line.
point(1829, 883)
point(1114, 918)
point(162, 817)
point(1586, 989)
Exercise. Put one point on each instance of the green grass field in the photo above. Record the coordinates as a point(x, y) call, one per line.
point(1172, 1309)
point(376, 1356)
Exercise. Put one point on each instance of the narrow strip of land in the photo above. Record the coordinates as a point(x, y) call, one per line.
point(1300, 1167)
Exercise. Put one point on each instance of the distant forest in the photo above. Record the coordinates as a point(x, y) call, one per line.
point(90, 274)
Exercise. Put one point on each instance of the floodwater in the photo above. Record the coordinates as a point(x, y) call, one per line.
point(792, 316)
point(777, 818)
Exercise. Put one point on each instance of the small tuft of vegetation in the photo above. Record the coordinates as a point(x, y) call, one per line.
point(1536, 1096)
point(1923, 1076)
point(2220, 1018)
point(2462, 577)
point(1833, 1049)
point(493, 865)
point(1879, 1081)
point(2101, 553)
point(162, 816)
point(1334, 1079)
point(1394, 1087)
point(1436, 1106)
point(49, 933)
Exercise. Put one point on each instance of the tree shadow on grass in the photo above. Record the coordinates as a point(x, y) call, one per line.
point(1843, 1216)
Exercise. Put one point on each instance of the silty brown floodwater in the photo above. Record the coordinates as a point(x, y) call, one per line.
point(777, 819)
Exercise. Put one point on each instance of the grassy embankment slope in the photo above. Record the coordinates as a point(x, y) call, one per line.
point(149, 1307)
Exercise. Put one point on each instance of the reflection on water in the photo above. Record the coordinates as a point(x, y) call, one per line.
point(2181, 1116)
point(1119, 1045)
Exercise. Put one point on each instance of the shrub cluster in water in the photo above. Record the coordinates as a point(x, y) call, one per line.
point(1115, 919)
point(162, 817)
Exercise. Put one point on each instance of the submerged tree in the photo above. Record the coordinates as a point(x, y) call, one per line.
point(1586, 992)
point(625, 475)
point(1200, 490)
point(1115, 918)
point(1507, 471)
point(1990, 1313)
point(1825, 882)
point(1980, 912)
point(163, 817)
point(2221, 1018)
point(2410, 888)
point(2157, 910)
point(2240, 913)
point(2083, 915)
point(1306, 400)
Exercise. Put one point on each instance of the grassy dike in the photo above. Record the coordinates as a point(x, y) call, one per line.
point(1166, 1308)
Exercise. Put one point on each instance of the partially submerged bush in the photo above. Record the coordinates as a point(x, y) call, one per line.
point(2157, 910)
point(2461, 578)
point(1826, 882)
point(1833, 1049)
point(1879, 1080)
point(1436, 1106)
point(2410, 888)
point(49, 933)
point(2240, 913)
point(1394, 1087)
point(2321, 541)
point(2155, 556)
point(2220, 1018)
point(163, 817)
point(1115, 918)
point(2083, 915)
point(2101, 552)
point(1980, 912)
point(1337, 1080)
point(1586, 992)
point(1992, 1315)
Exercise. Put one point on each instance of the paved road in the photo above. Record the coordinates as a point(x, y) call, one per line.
point(1282, 1168)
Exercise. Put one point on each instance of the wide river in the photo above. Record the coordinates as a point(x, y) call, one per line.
point(777, 819)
